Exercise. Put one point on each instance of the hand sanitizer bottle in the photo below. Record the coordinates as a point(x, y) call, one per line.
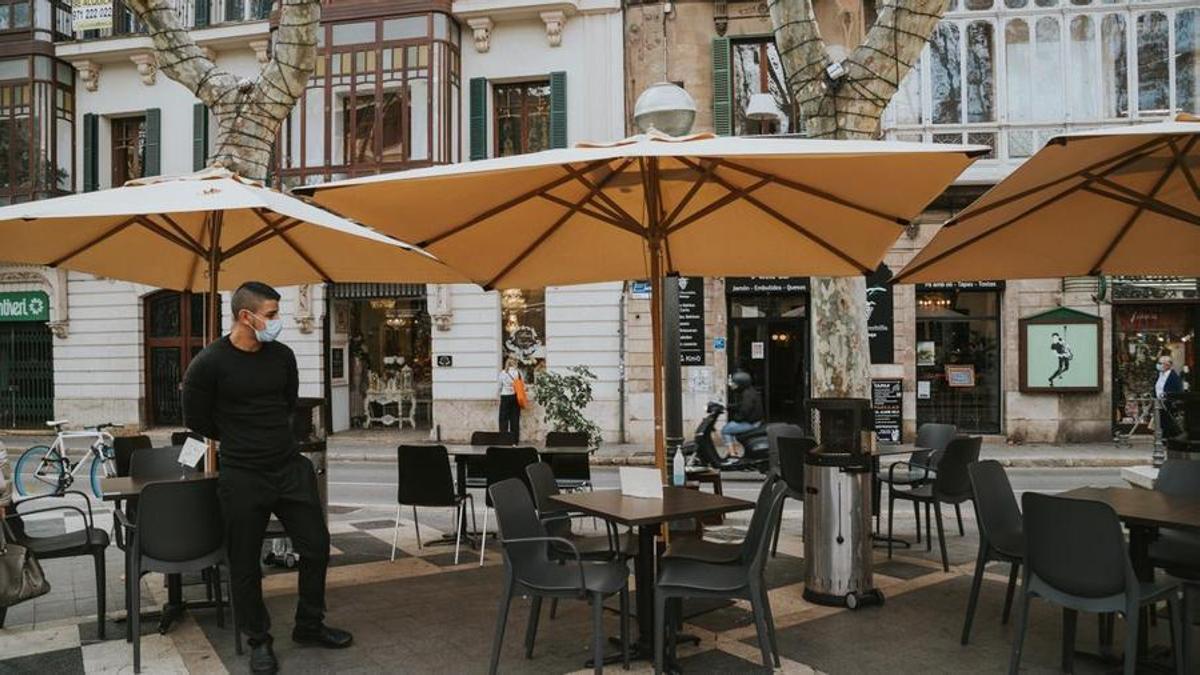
point(679, 476)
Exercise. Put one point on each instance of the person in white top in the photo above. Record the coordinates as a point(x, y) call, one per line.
point(510, 412)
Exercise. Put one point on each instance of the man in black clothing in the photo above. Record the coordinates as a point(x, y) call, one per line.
point(746, 414)
point(241, 390)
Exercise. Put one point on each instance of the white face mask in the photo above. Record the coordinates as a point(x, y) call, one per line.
point(270, 330)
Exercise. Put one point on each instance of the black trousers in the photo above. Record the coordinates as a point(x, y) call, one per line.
point(510, 415)
point(248, 498)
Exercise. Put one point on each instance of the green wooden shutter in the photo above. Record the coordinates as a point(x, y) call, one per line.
point(722, 88)
point(478, 103)
point(152, 159)
point(558, 109)
point(199, 136)
point(202, 13)
point(91, 152)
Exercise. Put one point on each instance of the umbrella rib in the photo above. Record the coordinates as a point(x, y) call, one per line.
point(1183, 167)
point(1152, 204)
point(1162, 180)
point(553, 228)
point(180, 231)
point(619, 212)
point(121, 226)
point(300, 252)
point(169, 236)
point(812, 191)
point(262, 234)
point(795, 226)
point(1124, 158)
point(566, 203)
point(709, 167)
point(1149, 204)
point(733, 195)
point(515, 201)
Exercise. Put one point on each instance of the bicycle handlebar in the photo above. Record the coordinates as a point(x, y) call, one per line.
point(107, 425)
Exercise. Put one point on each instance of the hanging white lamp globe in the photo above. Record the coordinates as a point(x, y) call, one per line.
point(665, 107)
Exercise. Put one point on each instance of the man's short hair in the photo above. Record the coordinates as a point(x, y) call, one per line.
point(251, 295)
point(1054, 335)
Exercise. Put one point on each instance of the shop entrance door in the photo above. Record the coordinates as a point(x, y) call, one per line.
point(26, 375)
point(174, 336)
point(768, 339)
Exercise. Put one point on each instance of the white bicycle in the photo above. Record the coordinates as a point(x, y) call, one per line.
point(49, 469)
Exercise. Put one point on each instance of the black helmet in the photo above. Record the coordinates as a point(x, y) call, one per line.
point(741, 379)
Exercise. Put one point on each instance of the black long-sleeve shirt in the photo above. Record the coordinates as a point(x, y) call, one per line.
point(245, 400)
point(749, 407)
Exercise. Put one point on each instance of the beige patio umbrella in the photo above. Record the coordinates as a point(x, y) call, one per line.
point(206, 232)
point(654, 205)
point(1122, 200)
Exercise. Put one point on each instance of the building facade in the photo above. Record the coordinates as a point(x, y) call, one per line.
point(415, 84)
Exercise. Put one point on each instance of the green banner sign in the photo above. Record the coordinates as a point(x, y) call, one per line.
point(24, 306)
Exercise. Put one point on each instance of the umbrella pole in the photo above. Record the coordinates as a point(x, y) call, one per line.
point(213, 309)
point(656, 323)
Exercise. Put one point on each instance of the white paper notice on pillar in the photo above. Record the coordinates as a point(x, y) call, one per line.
point(757, 350)
point(91, 14)
point(923, 388)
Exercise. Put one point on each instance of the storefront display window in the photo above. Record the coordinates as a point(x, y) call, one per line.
point(390, 371)
point(958, 358)
point(523, 327)
point(1144, 332)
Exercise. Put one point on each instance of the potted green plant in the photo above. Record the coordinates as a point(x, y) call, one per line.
point(563, 397)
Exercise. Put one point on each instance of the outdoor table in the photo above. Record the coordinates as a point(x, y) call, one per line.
point(1143, 512)
point(647, 515)
point(125, 488)
point(1140, 476)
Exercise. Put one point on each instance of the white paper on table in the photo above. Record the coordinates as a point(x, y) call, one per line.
point(641, 482)
point(193, 451)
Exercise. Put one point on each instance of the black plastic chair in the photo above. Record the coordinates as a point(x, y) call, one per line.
point(178, 529)
point(572, 470)
point(477, 466)
point(951, 485)
point(504, 463)
point(90, 541)
point(543, 486)
point(792, 448)
point(149, 464)
point(1076, 557)
point(423, 479)
point(1000, 534)
point(683, 578)
point(123, 449)
point(530, 570)
point(932, 439)
point(1178, 551)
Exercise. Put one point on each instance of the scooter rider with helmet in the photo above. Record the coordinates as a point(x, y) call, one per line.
point(747, 414)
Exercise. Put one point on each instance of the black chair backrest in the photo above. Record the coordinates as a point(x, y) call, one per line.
point(516, 519)
point(543, 486)
point(493, 438)
point(995, 502)
point(757, 545)
point(576, 466)
point(775, 432)
point(792, 450)
point(932, 437)
point(1076, 545)
point(1179, 477)
point(504, 463)
point(423, 476)
point(180, 437)
point(180, 521)
point(567, 439)
point(123, 448)
point(158, 464)
point(952, 477)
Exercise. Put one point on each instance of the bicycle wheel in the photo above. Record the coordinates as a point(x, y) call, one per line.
point(101, 468)
point(39, 471)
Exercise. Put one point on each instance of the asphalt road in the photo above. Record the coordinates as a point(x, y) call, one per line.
point(374, 484)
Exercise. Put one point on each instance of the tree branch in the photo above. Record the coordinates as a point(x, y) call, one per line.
point(293, 58)
point(798, 39)
point(178, 54)
point(893, 44)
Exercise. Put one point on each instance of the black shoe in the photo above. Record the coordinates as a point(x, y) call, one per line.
point(262, 659)
point(330, 638)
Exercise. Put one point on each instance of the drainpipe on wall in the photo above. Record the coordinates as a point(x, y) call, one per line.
point(621, 370)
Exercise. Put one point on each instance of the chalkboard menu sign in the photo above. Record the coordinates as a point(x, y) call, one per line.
point(691, 321)
point(887, 402)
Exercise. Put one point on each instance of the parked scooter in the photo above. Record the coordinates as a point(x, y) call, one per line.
point(702, 452)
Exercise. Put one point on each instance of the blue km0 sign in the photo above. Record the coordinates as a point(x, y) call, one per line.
point(24, 306)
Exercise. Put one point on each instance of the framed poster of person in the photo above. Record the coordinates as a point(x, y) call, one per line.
point(1060, 352)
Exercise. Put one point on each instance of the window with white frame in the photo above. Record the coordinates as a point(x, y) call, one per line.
point(1012, 73)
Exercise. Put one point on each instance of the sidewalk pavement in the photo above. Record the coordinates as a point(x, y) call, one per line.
point(379, 445)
